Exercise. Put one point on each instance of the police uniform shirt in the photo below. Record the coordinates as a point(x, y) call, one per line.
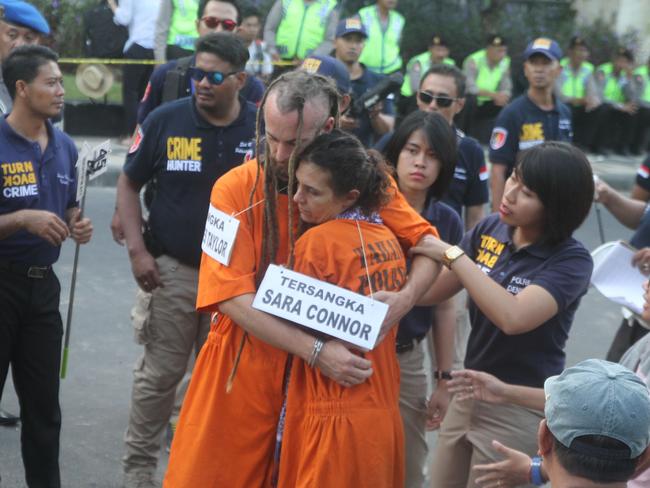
point(417, 322)
point(643, 174)
point(469, 185)
point(361, 85)
point(563, 271)
point(252, 91)
point(35, 180)
point(186, 155)
point(522, 124)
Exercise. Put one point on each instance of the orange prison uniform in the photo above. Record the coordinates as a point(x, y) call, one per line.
point(346, 437)
point(227, 439)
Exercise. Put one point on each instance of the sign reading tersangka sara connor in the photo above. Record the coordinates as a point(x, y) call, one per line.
point(321, 306)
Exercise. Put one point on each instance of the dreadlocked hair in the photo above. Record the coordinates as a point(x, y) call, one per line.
point(292, 90)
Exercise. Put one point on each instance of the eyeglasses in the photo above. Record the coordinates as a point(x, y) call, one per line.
point(214, 77)
point(442, 100)
point(213, 22)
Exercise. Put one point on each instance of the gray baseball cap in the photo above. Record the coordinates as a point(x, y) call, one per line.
point(596, 397)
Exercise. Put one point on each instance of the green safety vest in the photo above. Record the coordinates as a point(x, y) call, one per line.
point(182, 29)
point(644, 73)
point(613, 90)
point(302, 27)
point(425, 63)
point(488, 78)
point(573, 85)
point(381, 52)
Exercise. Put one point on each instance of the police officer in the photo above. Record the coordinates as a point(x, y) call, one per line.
point(380, 119)
point(617, 92)
point(38, 211)
point(442, 90)
point(21, 24)
point(186, 145)
point(489, 86)
point(438, 53)
point(295, 29)
point(577, 88)
point(175, 31)
point(530, 119)
point(384, 26)
point(641, 141)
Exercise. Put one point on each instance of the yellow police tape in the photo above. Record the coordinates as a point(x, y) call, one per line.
point(138, 61)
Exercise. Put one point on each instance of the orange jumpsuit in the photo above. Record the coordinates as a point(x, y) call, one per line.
point(228, 439)
point(346, 437)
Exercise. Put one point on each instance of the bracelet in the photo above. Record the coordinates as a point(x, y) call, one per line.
point(536, 471)
point(442, 375)
point(315, 352)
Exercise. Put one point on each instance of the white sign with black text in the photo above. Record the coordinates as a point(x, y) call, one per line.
point(98, 160)
point(321, 306)
point(82, 170)
point(219, 235)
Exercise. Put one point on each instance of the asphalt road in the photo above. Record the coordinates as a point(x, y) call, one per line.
point(95, 395)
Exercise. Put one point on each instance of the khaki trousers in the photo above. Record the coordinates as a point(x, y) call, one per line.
point(171, 329)
point(413, 408)
point(467, 433)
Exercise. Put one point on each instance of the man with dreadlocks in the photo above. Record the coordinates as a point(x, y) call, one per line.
point(227, 430)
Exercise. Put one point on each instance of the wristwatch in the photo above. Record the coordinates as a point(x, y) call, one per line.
point(536, 471)
point(442, 375)
point(451, 255)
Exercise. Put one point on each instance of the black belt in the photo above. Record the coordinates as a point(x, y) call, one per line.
point(407, 345)
point(28, 270)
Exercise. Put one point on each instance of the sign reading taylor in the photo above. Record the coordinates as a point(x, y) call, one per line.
point(321, 306)
point(219, 235)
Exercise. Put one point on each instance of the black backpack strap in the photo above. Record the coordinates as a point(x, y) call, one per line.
point(174, 86)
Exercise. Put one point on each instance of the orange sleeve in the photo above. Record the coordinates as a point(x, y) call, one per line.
point(407, 225)
point(313, 259)
point(217, 282)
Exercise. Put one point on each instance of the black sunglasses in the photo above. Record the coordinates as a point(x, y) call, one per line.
point(442, 101)
point(214, 77)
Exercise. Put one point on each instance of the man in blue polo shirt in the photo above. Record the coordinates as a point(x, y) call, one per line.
point(185, 145)
point(38, 211)
point(442, 90)
point(531, 118)
point(21, 24)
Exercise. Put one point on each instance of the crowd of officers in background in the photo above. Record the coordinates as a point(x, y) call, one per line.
point(610, 103)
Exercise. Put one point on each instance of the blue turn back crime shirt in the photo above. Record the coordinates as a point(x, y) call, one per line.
point(563, 270)
point(36, 180)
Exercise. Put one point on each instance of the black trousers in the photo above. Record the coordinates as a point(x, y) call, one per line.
point(175, 52)
point(478, 120)
point(30, 340)
point(134, 82)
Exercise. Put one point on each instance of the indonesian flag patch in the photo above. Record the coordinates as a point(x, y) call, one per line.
point(136, 142)
point(498, 139)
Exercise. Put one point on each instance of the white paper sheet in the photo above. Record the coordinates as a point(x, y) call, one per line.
point(616, 278)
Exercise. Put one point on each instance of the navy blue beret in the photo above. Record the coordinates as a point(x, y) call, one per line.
point(24, 14)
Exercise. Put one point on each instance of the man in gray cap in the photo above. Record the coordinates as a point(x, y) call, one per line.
point(21, 24)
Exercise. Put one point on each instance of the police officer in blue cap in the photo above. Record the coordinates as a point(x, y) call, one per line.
point(21, 24)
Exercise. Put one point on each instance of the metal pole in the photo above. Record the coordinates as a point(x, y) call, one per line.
point(601, 231)
point(73, 282)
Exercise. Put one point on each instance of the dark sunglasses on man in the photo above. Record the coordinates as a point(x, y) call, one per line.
point(214, 77)
point(213, 22)
point(442, 99)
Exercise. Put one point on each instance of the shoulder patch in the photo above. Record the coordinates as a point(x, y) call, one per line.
point(498, 139)
point(147, 91)
point(136, 142)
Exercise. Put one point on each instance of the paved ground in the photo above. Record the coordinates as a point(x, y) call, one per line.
point(95, 396)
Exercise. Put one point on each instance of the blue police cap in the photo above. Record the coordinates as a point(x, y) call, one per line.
point(24, 14)
point(329, 66)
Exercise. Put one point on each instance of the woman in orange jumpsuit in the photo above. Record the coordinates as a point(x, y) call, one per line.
point(336, 436)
